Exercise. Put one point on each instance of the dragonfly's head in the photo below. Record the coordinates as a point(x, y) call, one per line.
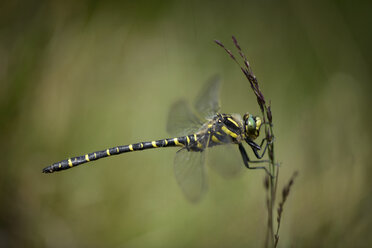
point(252, 125)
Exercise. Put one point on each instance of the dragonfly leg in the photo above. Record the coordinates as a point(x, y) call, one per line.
point(255, 147)
point(255, 150)
point(246, 160)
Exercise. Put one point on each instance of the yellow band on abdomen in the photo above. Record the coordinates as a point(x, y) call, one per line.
point(176, 142)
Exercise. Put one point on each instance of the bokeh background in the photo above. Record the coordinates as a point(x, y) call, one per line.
point(80, 76)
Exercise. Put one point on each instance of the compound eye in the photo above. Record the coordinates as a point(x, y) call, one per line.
point(251, 123)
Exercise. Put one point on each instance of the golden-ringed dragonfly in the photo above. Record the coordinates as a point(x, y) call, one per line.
point(194, 131)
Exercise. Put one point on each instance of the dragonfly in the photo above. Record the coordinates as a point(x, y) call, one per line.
point(194, 131)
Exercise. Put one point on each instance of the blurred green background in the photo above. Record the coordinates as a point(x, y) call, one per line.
point(80, 76)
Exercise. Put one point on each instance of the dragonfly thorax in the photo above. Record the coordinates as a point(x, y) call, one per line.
point(252, 125)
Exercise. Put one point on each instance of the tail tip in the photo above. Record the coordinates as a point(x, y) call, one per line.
point(47, 170)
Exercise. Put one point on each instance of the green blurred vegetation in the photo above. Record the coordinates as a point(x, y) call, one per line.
point(76, 77)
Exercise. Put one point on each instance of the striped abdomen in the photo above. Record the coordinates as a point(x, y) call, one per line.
point(72, 162)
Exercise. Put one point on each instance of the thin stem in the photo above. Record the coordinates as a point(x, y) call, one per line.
point(270, 239)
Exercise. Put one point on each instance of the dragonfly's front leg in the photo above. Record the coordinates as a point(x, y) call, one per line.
point(256, 148)
point(263, 152)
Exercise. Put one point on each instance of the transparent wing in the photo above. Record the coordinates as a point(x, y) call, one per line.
point(181, 120)
point(225, 160)
point(207, 102)
point(189, 172)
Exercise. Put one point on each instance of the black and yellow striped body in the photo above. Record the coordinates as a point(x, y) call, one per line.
point(69, 163)
point(222, 129)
